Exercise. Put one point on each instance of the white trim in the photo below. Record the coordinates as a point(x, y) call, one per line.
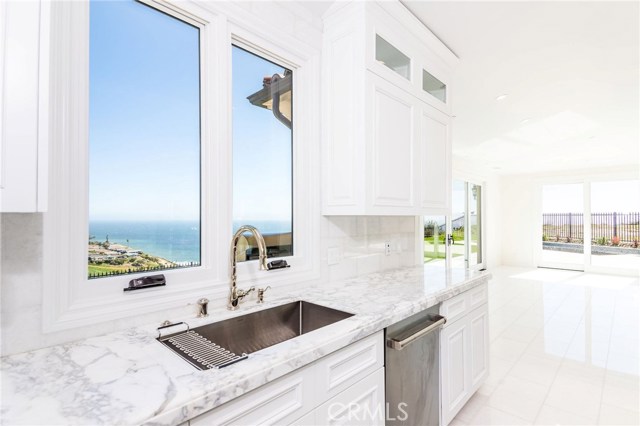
point(306, 236)
point(42, 169)
point(3, 32)
point(69, 299)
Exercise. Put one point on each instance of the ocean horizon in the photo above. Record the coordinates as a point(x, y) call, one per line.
point(176, 241)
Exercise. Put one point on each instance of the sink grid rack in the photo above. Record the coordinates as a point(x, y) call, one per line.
point(200, 351)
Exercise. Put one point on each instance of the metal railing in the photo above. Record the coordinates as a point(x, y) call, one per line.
point(567, 227)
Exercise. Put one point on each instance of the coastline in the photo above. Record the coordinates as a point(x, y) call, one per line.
point(109, 259)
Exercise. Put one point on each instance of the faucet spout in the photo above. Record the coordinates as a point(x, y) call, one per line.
point(235, 294)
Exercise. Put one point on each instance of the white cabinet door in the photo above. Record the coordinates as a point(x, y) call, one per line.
point(361, 404)
point(392, 146)
point(23, 105)
point(341, 369)
point(308, 419)
point(454, 343)
point(276, 403)
point(374, 57)
point(435, 158)
point(479, 342)
point(464, 349)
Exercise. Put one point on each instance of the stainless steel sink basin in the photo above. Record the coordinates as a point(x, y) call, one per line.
point(222, 343)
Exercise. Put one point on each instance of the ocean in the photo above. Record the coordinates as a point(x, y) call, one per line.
point(177, 241)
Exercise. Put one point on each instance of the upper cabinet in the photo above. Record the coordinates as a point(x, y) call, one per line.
point(386, 113)
point(23, 106)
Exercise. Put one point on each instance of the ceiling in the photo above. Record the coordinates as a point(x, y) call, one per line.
point(570, 71)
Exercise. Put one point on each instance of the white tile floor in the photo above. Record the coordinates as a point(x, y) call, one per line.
point(564, 350)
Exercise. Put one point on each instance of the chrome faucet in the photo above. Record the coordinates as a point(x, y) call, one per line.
point(235, 294)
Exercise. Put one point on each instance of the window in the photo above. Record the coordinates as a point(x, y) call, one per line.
point(144, 140)
point(262, 152)
point(192, 107)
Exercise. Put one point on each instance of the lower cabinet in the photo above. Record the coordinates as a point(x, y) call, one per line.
point(345, 388)
point(361, 404)
point(464, 350)
point(279, 402)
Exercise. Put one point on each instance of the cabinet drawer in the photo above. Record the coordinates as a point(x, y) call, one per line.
point(361, 404)
point(460, 305)
point(454, 308)
point(279, 402)
point(477, 296)
point(341, 369)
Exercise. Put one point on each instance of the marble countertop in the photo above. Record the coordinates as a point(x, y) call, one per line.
point(130, 378)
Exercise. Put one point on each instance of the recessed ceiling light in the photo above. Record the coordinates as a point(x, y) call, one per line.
point(502, 97)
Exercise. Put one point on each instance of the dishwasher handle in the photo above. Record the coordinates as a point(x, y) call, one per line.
point(396, 344)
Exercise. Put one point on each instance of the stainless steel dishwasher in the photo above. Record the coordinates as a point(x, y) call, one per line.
point(412, 370)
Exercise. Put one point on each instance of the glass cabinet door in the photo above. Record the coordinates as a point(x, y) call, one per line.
point(434, 87)
point(389, 56)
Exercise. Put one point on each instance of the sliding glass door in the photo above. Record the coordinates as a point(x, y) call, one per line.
point(594, 225)
point(563, 226)
point(436, 229)
point(615, 224)
point(466, 225)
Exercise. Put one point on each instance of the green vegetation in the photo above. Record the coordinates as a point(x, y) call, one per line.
point(106, 258)
point(105, 269)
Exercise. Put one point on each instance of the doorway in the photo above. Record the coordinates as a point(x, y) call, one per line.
point(592, 226)
point(563, 226)
point(456, 240)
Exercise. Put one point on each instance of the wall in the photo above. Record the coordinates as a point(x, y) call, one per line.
point(519, 200)
point(358, 245)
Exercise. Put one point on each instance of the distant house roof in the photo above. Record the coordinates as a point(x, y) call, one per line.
point(264, 97)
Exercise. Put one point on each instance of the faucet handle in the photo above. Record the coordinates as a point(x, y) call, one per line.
point(242, 293)
point(261, 293)
point(202, 307)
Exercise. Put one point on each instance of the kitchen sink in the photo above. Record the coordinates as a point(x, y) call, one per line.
point(223, 343)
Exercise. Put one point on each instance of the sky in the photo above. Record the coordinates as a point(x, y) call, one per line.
point(619, 196)
point(261, 146)
point(145, 126)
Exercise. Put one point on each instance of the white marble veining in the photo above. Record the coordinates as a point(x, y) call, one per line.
point(130, 378)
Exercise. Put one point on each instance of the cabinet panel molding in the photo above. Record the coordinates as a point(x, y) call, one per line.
point(277, 403)
point(380, 158)
point(362, 404)
point(464, 349)
point(392, 148)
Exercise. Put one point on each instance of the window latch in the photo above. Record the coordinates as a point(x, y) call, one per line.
point(146, 282)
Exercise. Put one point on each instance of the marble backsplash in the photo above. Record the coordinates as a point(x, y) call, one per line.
point(354, 245)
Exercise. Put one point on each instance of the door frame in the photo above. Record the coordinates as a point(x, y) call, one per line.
point(586, 181)
point(419, 227)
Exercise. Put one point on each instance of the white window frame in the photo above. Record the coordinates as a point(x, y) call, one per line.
point(70, 299)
